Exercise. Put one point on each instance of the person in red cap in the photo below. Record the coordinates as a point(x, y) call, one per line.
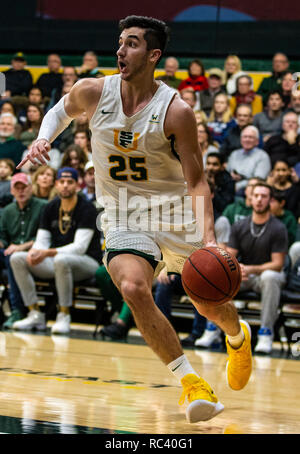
point(19, 224)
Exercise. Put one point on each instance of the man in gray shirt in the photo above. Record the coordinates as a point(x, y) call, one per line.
point(269, 121)
point(260, 242)
point(249, 161)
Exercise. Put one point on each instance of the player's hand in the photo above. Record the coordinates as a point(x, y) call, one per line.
point(38, 153)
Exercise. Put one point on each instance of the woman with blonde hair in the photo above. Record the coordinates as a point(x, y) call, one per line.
point(220, 119)
point(43, 183)
point(232, 70)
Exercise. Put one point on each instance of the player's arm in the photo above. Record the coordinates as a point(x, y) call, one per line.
point(181, 122)
point(82, 96)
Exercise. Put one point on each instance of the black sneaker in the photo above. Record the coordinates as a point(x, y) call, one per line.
point(115, 331)
point(189, 341)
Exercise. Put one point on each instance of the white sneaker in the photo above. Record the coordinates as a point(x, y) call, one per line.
point(34, 320)
point(62, 324)
point(265, 341)
point(210, 337)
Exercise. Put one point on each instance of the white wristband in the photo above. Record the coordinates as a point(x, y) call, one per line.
point(54, 122)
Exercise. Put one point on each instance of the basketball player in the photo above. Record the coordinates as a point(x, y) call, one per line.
point(134, 121)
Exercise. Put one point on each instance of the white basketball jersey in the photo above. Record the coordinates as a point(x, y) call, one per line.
point(133, 152)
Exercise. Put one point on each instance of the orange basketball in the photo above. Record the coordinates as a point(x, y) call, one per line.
point(211, 275)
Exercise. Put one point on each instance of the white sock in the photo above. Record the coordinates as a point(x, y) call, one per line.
point(181, 367)
point(236, 341)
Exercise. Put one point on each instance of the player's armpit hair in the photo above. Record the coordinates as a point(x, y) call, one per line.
point(54, 122)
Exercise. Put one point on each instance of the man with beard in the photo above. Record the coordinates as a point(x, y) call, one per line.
point(66, 249)
point(260, 242)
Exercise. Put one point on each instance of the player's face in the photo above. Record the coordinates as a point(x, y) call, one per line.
point(260, 199)
point(133, 57)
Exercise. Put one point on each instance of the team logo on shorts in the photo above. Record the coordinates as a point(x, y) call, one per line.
point(126, 140)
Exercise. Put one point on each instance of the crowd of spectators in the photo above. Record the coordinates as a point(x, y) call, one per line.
point(246, 136)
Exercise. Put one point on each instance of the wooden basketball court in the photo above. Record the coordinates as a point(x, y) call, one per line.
point(81, 385)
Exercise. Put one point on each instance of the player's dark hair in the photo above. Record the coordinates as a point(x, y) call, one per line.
point(156, 31)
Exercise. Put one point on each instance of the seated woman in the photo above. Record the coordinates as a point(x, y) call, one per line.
point(75, 157)
point(30, 129)
point(43, 183)
point(196, 79)
point(246, 95)
point(286, 182)
point(220, 119)
point(82, 138)
point(232, 70)
point(207, 145)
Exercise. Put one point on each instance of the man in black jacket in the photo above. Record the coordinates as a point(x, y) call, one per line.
point(224, 189)
point(18, 79)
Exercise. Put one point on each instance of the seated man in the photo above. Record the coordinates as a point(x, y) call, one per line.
point(10, 147)
point(242, 207)
point(232, 141)
point(269, 121)
point(19, 224)
point(169, 78)
point(18, 79)
point(280, 64)
point(89, 180)
point(223, 183)
point(89, 66)
point(277, 206)
point(260, 242)
point(215, 82)
point(67, 248)
point(52, 79)
point(286, 144)
point(249, 161)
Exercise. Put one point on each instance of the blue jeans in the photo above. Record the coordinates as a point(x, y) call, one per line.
point(15, 298)
point(163, 300)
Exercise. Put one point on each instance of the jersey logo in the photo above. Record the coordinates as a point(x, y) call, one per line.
point(126, 141)
point(154, 119)
point(105, 113)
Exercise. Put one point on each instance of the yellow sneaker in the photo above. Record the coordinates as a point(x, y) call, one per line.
point(204, 403)
point(239, 363)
